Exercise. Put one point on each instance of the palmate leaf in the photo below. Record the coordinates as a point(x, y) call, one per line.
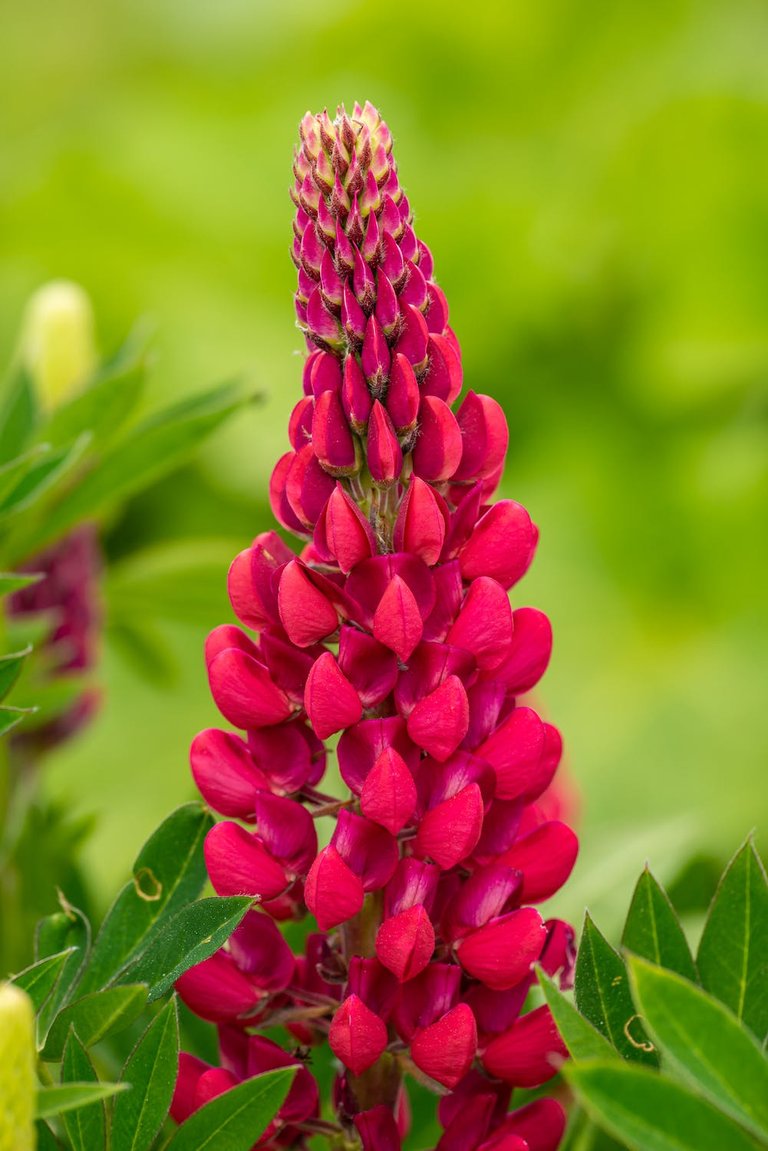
point(652, 929)
point(151, 1071)
point(86, 1125)
point(733, 951)
point(603, 996)
point(648, 1112)
point(237, 1118)
point(703, 1044)
point(189, 937)
point(169, 872)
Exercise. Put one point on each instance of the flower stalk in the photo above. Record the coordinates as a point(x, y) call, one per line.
point(393, 631)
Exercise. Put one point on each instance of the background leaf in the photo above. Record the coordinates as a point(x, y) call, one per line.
point(704, 1044)
point(653, 930)
point(151, 1070)
point(733, 950)
point(235, 1119)
point(651, 1113)
point(603, 997)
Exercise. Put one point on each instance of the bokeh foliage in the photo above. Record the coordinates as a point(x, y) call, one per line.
point(593, 180)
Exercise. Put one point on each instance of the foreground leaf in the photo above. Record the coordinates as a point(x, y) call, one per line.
point(39, 979)
point(66, 930)
point(169, 872)
point(105, 405)
point(18, 413)
point(10, 669)
point(188, 938)
point(151, 1071)
point(702, 1042)
point(733, 951)
point(86, 1125)
point(70, 1096)
point(237, 1118)
point(648, 1112)
point(95, 1016)
point(581, 1038)
point(653, 930)
point(603, 997)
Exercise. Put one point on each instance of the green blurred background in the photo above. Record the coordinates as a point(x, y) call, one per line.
point(593, 181)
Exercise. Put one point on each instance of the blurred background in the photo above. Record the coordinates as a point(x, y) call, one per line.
point(593, 182)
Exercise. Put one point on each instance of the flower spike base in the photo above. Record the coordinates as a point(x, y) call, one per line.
point(391, 633)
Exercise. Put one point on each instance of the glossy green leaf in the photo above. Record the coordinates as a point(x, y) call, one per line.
point(10, 669)
point(236, 1119)
point(168, 873)
point(151, 1070)
point(733, 951)
point(187, 938)
point(581, 1038)
point(653, 929)
point(39, 979)
point(18, 413)
point(85, 1125)
point(65, 930)
point(94, 1016)
point(603, 996)
point(70, 1096)
point(13, 581)
point(649, 1112)
point(149, 451)
point(703, 1043)
point(43, 476)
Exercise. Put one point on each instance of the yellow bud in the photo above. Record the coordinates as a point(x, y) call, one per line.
point(57, 344)
point(18, 1085)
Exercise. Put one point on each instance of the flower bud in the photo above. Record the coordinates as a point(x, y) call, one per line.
point(57, 344)
point(18, 1085)
point(385, 458)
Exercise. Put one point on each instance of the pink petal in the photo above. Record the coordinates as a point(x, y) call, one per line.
point(485, 436)
point(421, 522)
point(360, 746)
point(224, 771)
point(403, 395)
point(367, 848)
point(332, 440)
point(389, 793)
point(357, 1035)
point(484, 624)
point(384, 455)
point(449, 831)
point(239, 864)
point(445, 1049)
point(405, 942)
point(414, 336)
point(217, 990)
point(260, 951)
point(502, 953)
point(348, 534)
point(529, 1053)
point(515, 751)
point(397, 621)
point(541, 1124)
point(443, 377)
point(371, 668)
point(333, 892)
point(244, 691)
point(378, 1129)
point(529, 651)
point(331, 702)
point(501, 545)
point(546, 857)
point(439, 722)
point(438, 449)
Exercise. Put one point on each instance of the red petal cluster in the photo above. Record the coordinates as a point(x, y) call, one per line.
point(393, 634)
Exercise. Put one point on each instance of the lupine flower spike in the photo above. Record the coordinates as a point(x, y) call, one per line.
point(393, 634)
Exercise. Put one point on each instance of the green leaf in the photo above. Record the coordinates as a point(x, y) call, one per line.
point(169, 872)
point(653, 930)
point(11, 716)
point(94, 1016)
point(151, 1070)
point(583, 1134)
point(581, 1038)
point(14, 471)
point(153, 448)
point(18, 413)
point(46, 1140)
point(237, 1118)
point(85, 1125)
point(648, 1112)
point(39, 979)
point(188, 938)
point(703, 1043)
point(43, 476)
point(10, 669)
point(105, 405)
point(603, 997)
point(69, 1096)
point(733, 951)
point(66, 930)
point(13, 581)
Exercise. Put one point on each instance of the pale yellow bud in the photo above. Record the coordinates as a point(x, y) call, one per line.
point(57, 344)
point(18, 1085)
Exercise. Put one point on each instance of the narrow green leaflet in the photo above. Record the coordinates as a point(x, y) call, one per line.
point(703, 1043)
point(581, 1038)
point(95, 1016)
point(168, 873)
point(648, 1112)
point(10, 669)
point(733, 951)
point(39, 979)
point(603, 997)
point(188, 938)
point(105, 405)
point(86, 1125)
point(66, 930)
point(11, 716)
point(14, 471)
point(151, 1071)
point(653, 930)
point(237, 1118)
point(43, 476)
point(69, 1096)
point(147, 452)
point(18, 413)
point(13, 581)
